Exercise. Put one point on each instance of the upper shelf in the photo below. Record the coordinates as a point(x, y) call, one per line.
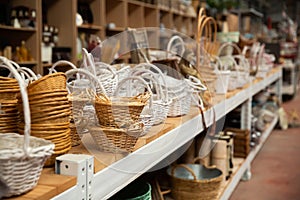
point(143, 159)
point(11, 28)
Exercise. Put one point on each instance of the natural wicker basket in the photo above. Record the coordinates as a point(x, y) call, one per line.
point(22, 156)
point(115, 140)
point(195, 181)
point(49, 82)
point(119, 112)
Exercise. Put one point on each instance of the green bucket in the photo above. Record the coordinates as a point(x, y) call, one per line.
point(134, 191)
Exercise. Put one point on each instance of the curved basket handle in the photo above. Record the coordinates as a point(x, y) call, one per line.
point(89, 74)
point(195, 83)
point(88, 61)
point(229, 44)
point(169, 46)
point(26, 109)
point(61, 62)
point(149, 74)
point(138, 79)
point(186, 168)
point(155, 68)
point(106, 66)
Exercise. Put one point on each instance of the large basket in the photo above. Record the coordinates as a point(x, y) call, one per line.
point(22, 157)
point(195, 181)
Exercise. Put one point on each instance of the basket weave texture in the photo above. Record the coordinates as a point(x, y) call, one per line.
point(194, 181)
point(22, 157)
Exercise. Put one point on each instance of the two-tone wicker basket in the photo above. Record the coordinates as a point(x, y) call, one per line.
point(195, 181)
point(22, 157)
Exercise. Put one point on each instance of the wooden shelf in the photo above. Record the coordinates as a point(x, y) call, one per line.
point(22, 29)
point(90, 27)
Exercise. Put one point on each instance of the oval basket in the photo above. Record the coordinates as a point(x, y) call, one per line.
point(22, 157)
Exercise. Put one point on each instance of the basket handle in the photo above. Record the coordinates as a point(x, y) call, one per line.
point(88, 61)
point(61, 62)
point(106, 66)
point(89, 74)
point(229, 44)
point(245, 62)
point(138, 79)
point(151, 76)
point(186, 168)
point(8, 65)
point(156, 69)
point(169, 46)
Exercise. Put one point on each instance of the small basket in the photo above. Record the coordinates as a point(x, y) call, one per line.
point(118, 111)
point(22, 156)
point(115, 140)
point(195, 181)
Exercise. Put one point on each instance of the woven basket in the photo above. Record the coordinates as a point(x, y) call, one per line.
point(120, 111)
point(194, 181)
point(115, 140)
point(160, 101)
point(56, 81)
point(22, 156)
point(78, 99)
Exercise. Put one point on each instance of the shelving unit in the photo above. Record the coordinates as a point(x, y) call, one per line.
point(124, 171)
point(109, 18)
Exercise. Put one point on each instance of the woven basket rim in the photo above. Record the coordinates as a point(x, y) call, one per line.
point(6, 154)
point(44, 78)
point(215, 179)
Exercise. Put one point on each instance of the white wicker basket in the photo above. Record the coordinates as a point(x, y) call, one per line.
point(104, 72)
point(161, 104)
point(22, 157)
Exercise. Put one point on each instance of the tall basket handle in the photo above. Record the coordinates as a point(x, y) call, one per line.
point(26, 109)
point(156, 69)
point(186, 168)
point(169, 46)
point(85, 72)
point(149, 74)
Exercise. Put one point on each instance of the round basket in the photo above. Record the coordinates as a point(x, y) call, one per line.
point(119, 111)
point(195, 181)
point(115, 140)
point(22, 157)
point(49, 82)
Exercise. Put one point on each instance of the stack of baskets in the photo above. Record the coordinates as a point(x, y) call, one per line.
point(21, 156)
point(241, 141)
point(50, 112)
point(9, 117)
point(119, 120)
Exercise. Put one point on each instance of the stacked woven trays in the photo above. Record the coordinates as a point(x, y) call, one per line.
point(9, 89)
point(50, 112)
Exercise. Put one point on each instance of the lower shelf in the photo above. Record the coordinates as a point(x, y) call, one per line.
point(241, 165)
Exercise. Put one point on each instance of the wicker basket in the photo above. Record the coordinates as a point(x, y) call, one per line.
point(160, 101)
point(22, 156)
point(195, 181)
point(117, 111)
point(78, 99)
point(116, 140)
point(56, 81)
